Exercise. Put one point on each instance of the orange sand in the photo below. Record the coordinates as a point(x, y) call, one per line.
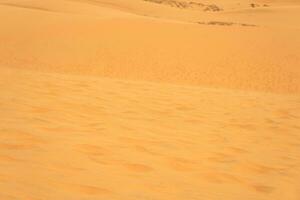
point(149, 100)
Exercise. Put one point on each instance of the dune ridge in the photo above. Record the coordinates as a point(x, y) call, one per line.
point(188, 4)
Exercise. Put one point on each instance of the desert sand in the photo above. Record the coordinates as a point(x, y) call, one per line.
point(149, 99)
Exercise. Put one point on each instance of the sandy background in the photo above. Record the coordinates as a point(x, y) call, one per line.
point(153, 100)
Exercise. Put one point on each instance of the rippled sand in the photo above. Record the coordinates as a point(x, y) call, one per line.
point(149, 100)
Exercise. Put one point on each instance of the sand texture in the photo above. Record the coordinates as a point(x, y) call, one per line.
point(149, 100)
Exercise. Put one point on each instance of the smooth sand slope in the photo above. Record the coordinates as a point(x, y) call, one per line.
point(219, 49)
point(149, 100)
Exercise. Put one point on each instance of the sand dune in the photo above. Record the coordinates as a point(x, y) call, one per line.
point(118, 44)
point(156, 99)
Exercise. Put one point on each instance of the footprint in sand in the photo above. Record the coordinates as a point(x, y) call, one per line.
point(181, 164)
point(90, 190)
point(138, 167)
point(91, 150)
point(263, 188)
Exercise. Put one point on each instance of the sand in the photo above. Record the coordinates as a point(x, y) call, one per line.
point(153, 100)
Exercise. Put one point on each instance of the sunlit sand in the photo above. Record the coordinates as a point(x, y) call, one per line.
point(149, 99)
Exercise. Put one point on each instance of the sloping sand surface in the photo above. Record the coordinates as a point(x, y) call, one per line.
point(72, 137)
point(149, 100)
point(73, 37)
